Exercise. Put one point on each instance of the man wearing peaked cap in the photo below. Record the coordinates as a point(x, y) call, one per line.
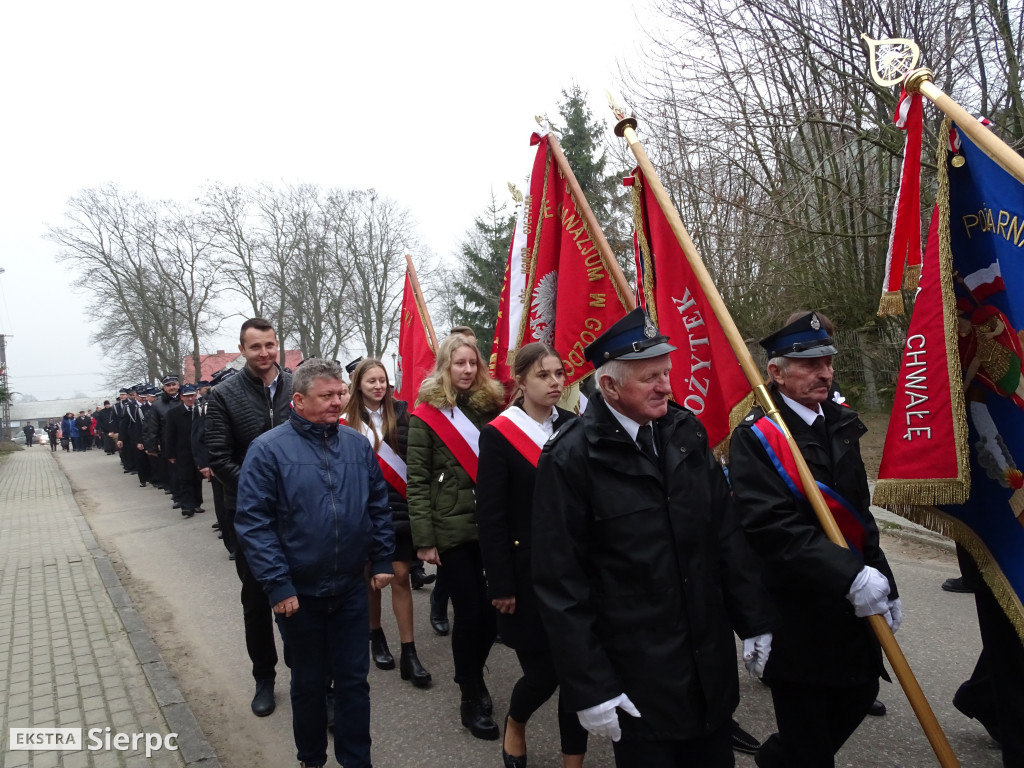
point(177, 443)
point(825, 661)
point(640, 568)
point(351, 367)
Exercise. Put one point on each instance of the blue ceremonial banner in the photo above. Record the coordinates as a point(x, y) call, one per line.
point(982, 220)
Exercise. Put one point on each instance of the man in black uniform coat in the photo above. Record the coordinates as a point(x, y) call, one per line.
point(177, 442)
point(825, 660)
point(116, 414)
point(128, 414)
point(240, 409)
point(162, 473)
point(641, 570)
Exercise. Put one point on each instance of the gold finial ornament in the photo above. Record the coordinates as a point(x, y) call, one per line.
point(620, 115)
point(516, 194)
point(891, 59)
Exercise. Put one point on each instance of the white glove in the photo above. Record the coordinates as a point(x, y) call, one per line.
point(755, 653)
point(895, 614)
point(869, 593)
point(603, 720)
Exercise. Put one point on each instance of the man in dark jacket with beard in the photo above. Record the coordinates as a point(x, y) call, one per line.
point(640, 567)
point(312, 511)
point(825, 661)
point(239, 410)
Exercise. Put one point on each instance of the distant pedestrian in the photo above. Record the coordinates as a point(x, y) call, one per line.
point(53, 432)
point(67, 431)
point(30, 432)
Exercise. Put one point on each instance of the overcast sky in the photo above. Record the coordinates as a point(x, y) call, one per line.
point(432, 104)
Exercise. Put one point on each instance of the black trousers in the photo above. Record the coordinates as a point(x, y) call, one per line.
point(535, 687)
point(814, 722)
point(259, 621)
point(143, 466)
point(711, 751)
point(188, 483)
point(995, 691)
point(475, 623)
point(227, 530)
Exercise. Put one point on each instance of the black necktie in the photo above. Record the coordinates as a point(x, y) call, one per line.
point(819, 429)
point(645, 439)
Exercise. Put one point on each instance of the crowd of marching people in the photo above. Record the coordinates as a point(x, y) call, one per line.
point(609, 549)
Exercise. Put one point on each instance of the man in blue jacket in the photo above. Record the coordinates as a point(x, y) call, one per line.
point(312, 512)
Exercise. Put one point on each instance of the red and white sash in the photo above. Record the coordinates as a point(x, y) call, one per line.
point(456, 431)
point(523, 433)
point(391, 464)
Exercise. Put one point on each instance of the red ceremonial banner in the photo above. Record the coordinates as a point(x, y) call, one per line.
point(923, 460)
point(415, 355)
point(570, 297)
point(706, 377)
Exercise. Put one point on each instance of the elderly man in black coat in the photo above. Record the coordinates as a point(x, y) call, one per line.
point(825, 661)
point(177, 444)
point(641, 570)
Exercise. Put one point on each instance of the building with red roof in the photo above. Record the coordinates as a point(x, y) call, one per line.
point(210, 364)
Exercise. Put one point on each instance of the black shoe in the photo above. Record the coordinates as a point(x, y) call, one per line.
point(439, 615)
point(167, 491)
point(329, 703)
point(216, 526)
point(486, 704)
point(141, 484)
point(220, 535)
point(511, 761)
point(379, 650)
point(231, 555)
point(411, 668)
point(419, 578)
point(479, 722)
point(956, 585)
point(743, 741)
point(188, 513)
point(176, 505)
point(877, 708)
point(263, 701)
point(962, 701)
point(199, 510)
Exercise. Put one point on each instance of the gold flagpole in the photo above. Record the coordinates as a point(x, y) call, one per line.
point(420, 303)
point(614, 271)
point(626, 127)
point(920, 81)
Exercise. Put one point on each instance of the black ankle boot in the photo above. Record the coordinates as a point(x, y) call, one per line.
point(379, 650)
point(473, 716)
point(410, 667)
point(485, 699)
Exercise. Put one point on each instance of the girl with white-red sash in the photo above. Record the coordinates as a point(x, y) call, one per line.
point(455, 400)
point(509, 449)
point(384, 421)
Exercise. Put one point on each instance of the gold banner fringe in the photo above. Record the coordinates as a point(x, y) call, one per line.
point(911, 277)
point(736, 415)
point(891, 303)
point(636, 194)
point(893, 494)
point(936, 520)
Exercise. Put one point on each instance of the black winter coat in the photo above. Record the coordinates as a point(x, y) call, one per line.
point(177, 436)
point(817, 639)
point(153, 431)
point(200, 455)
point(130, 429)
point(643, 573)
point(239, 411)
point(504, 518)
point(399, 505)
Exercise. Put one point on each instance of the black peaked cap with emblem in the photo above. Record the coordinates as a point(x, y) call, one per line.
point(634, 337)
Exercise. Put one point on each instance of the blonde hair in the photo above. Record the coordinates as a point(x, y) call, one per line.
point(440, 379)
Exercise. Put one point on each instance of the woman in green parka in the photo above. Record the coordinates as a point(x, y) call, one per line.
point(455, 400)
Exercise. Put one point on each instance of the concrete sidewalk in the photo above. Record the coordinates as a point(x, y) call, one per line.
point(73, 652)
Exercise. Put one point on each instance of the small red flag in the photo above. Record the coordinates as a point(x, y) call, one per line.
point(415, 355)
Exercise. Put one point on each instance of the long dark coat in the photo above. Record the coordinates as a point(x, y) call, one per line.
point(177, 436)
point(504, 517)
point(643, 573)
point(818, 639)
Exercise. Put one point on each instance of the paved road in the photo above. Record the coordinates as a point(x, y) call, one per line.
point(186, 592)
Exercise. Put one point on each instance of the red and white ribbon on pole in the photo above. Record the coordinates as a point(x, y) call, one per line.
point(905, 239)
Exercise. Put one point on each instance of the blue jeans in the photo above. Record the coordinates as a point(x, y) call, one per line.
point(326, 638)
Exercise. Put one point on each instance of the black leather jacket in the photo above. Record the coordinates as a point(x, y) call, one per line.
point(239, 411)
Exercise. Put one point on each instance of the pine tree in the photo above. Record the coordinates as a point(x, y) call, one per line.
point(483, 255)
point(582, 142)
